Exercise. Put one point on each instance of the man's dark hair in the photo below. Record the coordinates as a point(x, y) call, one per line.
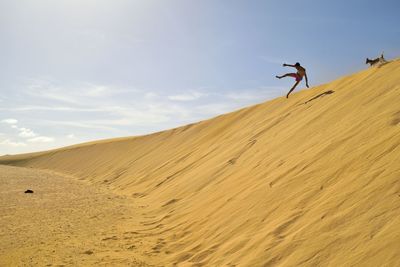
point(297, 64)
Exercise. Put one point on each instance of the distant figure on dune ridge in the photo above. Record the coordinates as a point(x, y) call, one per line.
point(298, 76)
point(379, 60)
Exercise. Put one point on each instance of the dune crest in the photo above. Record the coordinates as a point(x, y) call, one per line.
point(312, 180)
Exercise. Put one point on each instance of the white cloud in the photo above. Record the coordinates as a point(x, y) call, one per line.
point(190, 96)
point(41, 139)
point(79, 95)
point(150, 95)
point(98, 91)
point(50, 108)
point(8, 142)
point(25, 132)
point(107, 110)
point(10, 121)
point(77, 124)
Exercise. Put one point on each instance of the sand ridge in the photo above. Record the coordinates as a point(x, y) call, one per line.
point(312, 180)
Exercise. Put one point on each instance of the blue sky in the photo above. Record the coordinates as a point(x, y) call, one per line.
point(75, 71)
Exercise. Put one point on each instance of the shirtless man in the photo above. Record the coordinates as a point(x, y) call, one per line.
point(301, 72)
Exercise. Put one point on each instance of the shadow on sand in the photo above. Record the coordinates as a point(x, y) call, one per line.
point(320, 95)
point(383, 63)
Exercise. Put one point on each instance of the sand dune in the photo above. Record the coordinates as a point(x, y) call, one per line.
point(308, 181)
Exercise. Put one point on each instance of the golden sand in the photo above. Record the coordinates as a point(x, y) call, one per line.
point(64, 222)
point(313, 180)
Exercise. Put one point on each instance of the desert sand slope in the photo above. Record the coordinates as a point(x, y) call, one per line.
point(313, 180)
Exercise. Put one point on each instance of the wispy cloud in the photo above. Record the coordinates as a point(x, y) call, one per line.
point(22, 131)
point(151, 95)
point(96, 111)
point(10, 121)
point(76, 124)
point(75, 95)
point(50, 108)
point(8, 142)
point(41, 139)
point(25, 132)
point(190, 96)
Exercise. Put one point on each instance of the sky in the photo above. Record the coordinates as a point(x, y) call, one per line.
point(73, 71)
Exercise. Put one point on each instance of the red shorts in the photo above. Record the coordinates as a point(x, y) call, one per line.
point(296, 76)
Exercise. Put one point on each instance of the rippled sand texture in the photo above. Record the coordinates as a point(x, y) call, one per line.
point(313, 180)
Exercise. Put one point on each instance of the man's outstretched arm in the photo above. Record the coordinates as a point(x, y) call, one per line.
point(288, 65)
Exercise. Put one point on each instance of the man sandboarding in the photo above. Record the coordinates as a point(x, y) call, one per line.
point(301, 72)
